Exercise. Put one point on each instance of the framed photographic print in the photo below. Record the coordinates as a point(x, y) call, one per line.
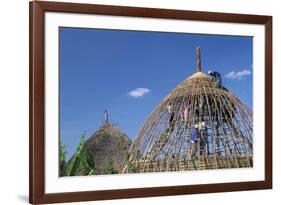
point(139, 102)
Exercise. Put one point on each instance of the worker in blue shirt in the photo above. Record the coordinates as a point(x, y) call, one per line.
point(194, 140)
point(217, 77)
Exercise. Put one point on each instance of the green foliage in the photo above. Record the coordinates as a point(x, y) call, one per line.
point(62, 160)
point(81, 163)
point(110, 168)
point(131, 168)
point(92, 172)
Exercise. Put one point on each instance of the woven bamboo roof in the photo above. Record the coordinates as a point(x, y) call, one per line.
point(225, 127)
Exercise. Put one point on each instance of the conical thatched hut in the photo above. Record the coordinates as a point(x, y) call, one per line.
point(199, 125)
point(108, 146)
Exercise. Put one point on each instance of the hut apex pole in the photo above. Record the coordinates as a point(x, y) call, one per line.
point(198, 65)
point(105, 116)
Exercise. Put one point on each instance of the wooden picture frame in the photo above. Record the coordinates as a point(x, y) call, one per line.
point(37, 11)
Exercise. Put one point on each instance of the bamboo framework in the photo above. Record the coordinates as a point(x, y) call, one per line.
point(224, 126)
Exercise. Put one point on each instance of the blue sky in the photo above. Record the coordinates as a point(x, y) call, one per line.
point(130, 72)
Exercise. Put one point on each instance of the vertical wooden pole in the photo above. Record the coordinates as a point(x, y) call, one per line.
point(198, 64)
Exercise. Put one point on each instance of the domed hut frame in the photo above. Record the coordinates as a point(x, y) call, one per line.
point(223, 122)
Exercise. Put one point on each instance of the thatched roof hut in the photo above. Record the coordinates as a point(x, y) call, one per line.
point(107, 146)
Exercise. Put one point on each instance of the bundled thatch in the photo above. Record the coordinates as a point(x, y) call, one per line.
point(223, 124)
point(100, 154)
point(107, 146)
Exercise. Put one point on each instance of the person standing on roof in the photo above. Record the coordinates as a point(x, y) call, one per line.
point(171, 118)
point(194, 140)
point(216, 76)
point(185, 113)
